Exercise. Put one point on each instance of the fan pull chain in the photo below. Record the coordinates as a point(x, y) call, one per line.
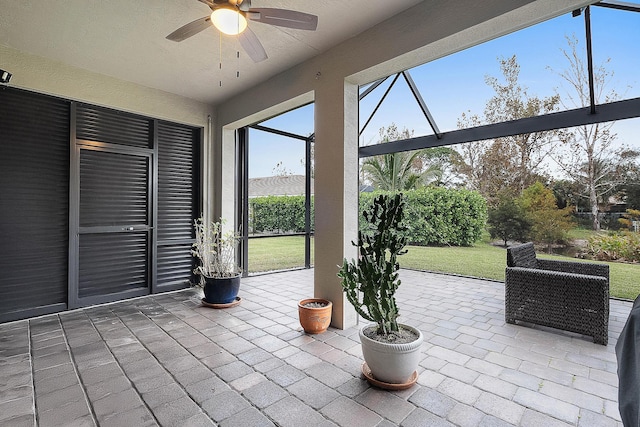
point(220, 55)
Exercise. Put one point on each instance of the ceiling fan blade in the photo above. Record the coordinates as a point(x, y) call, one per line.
point(284, 18)
point(245, 5)
point(191, 29)
point(250, 43)
point(209, 3)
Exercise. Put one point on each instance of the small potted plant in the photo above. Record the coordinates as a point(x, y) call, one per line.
point(314, 314)
point(219, 273)
point(391, 350)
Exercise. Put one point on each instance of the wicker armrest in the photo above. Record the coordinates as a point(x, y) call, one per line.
point(586, 268)
point(533, 276)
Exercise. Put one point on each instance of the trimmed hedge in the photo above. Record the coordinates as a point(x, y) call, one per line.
point(278, 214)
point(434, 215)
point(440, 216)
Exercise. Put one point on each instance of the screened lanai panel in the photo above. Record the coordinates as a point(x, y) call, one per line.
point(111, 126)
point(178, 189)
point(34, 203)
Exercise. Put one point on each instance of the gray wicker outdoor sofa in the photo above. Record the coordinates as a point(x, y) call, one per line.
point(567, 295)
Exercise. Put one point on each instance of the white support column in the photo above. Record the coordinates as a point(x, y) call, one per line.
point(336, 191)
point(228, 191)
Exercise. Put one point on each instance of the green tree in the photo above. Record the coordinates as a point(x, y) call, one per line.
point(437, 166)
point(590, 157)
point(392, 172)
point(511, 102)
point(508, 221)
point(512, 163)
point(549, 224)
point(567, 193)
point(402, 170)
point(630, 188)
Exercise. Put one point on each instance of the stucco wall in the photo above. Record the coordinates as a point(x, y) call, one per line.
point(45, 76)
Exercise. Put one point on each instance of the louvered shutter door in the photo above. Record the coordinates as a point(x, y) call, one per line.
point(114, 207)
point(113, 188)
point(178, 190)
point(115, 127)
point(112, 263)
point(112, 199)
point(34, 203)
point(113, 192)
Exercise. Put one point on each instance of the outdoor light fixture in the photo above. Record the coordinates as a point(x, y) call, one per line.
point(5, 76)
point(229, 20)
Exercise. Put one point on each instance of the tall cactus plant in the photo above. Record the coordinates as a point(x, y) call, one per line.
point(370, 283)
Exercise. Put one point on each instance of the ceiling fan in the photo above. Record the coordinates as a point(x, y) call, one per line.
point(230, 17)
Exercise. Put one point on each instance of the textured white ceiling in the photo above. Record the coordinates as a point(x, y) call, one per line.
point(126, 39)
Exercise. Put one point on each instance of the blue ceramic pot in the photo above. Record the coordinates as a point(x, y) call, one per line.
point(221, 290)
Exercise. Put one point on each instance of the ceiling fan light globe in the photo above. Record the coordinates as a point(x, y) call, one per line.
point(229, 21)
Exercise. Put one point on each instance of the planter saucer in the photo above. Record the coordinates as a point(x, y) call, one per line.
point(227, 305)
point(366, 371)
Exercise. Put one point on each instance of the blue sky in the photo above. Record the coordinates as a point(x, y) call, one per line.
point(456, 83)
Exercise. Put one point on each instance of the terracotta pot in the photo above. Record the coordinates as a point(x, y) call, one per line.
point(315, 320)
point(221, 290)
point(391, 363)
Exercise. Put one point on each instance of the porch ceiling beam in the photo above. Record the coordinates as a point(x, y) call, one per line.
point(619, 110)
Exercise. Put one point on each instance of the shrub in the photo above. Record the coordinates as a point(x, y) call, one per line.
point(617, 246)
point(439, 216)
point(278, 214)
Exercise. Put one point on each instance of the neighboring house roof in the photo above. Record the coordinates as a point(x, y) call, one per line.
point(288, 185)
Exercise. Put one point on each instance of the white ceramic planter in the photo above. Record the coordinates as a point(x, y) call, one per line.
point(391, 363)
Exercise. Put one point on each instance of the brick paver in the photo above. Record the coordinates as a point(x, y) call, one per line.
point(167, 360)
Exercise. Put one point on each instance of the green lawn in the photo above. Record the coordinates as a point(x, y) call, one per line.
point(276, 253)
point(581, 233)
point(482, 260)
point(487, 261)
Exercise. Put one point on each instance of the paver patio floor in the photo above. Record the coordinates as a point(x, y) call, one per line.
point(167, 360)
